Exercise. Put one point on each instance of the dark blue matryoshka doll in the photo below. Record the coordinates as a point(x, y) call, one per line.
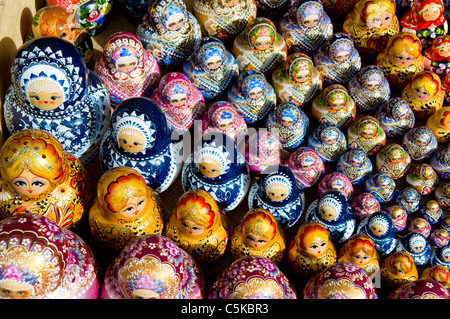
point(382, 186)
point(169, 32)
point(217, 167)
point(53, 90)
point(417, 246)
point(409, 199)
point(441, 256)
point(252, 96)
point(381, 229)
point(356, 165)
point(328, 141)
point(211, 68)
point(334, 212)
point(139, 137)
point(278, 192)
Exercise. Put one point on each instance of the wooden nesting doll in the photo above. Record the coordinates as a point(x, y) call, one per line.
point(438, 273)
point(394, 160)
point(439, 124)
point(399, 269)
point(382, 186)
point(262, 150)
point(396, 117)
point(380, 228)
point(307, 166)
point(437, 55)
point(417, 246)
point(366, 133)
point(420, 143)
point(360, 250)
point(409, 199)
point(328, 141)
point(423, 178)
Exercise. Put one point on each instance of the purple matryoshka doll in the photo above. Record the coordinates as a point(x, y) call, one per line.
point(306, 165)
point(420, 289)
point(262, 150)
point(363, 205)
point(396, 117)
point(420, 143)
point(335, 181)
point(440, 161)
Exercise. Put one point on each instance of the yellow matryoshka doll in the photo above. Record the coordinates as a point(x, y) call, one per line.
point(360, 250)
point(39, 177)
point(198, 226)
point(258, 234)
point(439, 273)
point(399, 269)
point(125, 208)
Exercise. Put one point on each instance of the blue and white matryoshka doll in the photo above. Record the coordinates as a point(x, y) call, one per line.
point(211, 68)
point(396, 117)
point(356, 165)
point(252, 96)
point(289, 123)
point(334, 212)
point(409, 199)
point(441, 256)
point(53, 90)
point(420, 143)
point(278, 192)
point(382, 186)
point(139, 137)
point(217, 167)
point(381, 229)
point(169, 31)
point(328, 141)
point(417, 246)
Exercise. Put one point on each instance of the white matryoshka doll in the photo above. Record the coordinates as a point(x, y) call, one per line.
point(417, 246)
point(53, 90)
point(139, 137)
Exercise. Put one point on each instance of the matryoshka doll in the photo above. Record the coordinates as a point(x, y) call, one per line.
point(252, 96)
point(337, 60)
point(440, 161)
point(334, 105)
point(211, 68)
point(355, 165)
point(394, 160)
point(126, 68)
point(252, 277)
point(419, 225)
point(259, 47)
point(382, 186)
point(437, 55)
point(369, 89)
point(399, 216)
point(335, 181)
point(438, 273)
point(277, 191)
point(363, 205)
point(431, 211)
point(52, 89)
point(396, 117)
point(289, 123)
point(181, 102)
point(409, 199)
point(262, 149)
point(439, 237)
point(417, 246)
point(296, 80)
point(305, 26)
point(401, 60)
point(381, 229)
point(399, 269)
point(328, 141)
point(360, 251)
point(366, 133)
point(306, 165)
point(371, 24)
point(426, 20)
point(217, 167)
point(439, 124)
point(420, 289)
point(420, 143)
point(423, 178)
point(169, 32)
point(139, 137)
point(153, 267)
point(38, 176)
point(333, 211)
point(442, 195)
point(311, 250)
point(124, 208)
point(224, 19)
point(198, 226)
point(258, 234)
point(440, 256)
point(41, 260)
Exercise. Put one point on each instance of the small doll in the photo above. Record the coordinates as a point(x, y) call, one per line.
point(441, 256)
point(139, 137)
point(39, 177)
point(409, 199)
point(224, 19)
point(394, 160)
point(263, 149)
point(437, 273)
point(420, 289)
point(431, 211)
point(53, 90)
point(419, 225)
point(217, 167)
point(335, 181)
point(296, 80)
point(439, 237)
point(371, 24)
point(369, 89)
point(333, 211)
point(289, 123)
point(424, 94)
point(305, 26)
point(399, 269)
point(337, 59)
point(380, 228)
point(439, 124)
point(124, 208)
point(126, 68)
point(426, 20)
point(360, 251)
point(252, 96)
point(437, 55)
point(198, 226)
point(169, 32)
point(306, 165)
point(401, 60)
point(153, 267)
point(278, 192)
point(396, 117)
point(366, 133)
point(382, 186)
point(417, 246)
point(423, 178)
point(328, 141)
point(399, 216)
point(211, 68)
point(334, 105)
point(355, 165)
point(311, 250)
point(363, 205)
point(420, 143)
point(442, 195)
point(258, 234)
point(181, 102)
point(259, 47)
point(440, 161)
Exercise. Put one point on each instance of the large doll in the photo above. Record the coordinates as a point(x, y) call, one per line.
point(399, 269)
point(360, 250)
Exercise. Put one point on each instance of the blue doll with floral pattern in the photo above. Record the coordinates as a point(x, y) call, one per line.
point(381, 229)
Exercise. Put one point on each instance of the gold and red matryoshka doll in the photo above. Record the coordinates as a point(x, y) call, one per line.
point(437, 55)
point(360, 250)
point(125, 208)
point(39, 177)
point(399, 269)
point(439, 124)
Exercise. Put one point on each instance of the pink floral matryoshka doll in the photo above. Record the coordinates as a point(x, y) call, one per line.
point(437, 55)
point(399, 216)
point(263, 149)
point(363, 205)
point(420, 143)
point(307, 166)
point(335, 181)
point(420, 289)
point(419, 225)
point(181, 102)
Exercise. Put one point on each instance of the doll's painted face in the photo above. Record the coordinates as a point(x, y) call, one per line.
point(145, 294)
point(12, 289)
point(214, 62)
point(45, 94)
point(177, 100)
point(133, 207)
point(175, 22)
point(226, 124)
point(302, 76)
point(191, 228)
point(378, 229)
point(277, 192)
point(127, 64)
point(69, 31)
point(338, 102)
point(398, 214)
point(379, 19)
point(262, 43)
point(418, 247)
point(256, 241)
point(311, 20)
point(328, 213)
point(229, 3)
point(431, 12)
point(421, 93)
point(395, 156)
point(317, 246)
point(287, 121)
point(360, 258)
point(397, 269)
point(30, 184)
point(329, 138)
point(209, 168)
point(255, 93)
point(372, 85)
point(404, 59)
point(444, 49)
point(131, 140)
point(368, 131)
point(342, 56)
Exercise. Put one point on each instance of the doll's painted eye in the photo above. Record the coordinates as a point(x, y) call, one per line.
point(55, 97)
point(141, 202)
point(37, 184)
point(124, 141)
point(323, 244)
point(314, 246)
point(35, 97)
point(137, 143)
point(387, 18)
point(20, 183)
